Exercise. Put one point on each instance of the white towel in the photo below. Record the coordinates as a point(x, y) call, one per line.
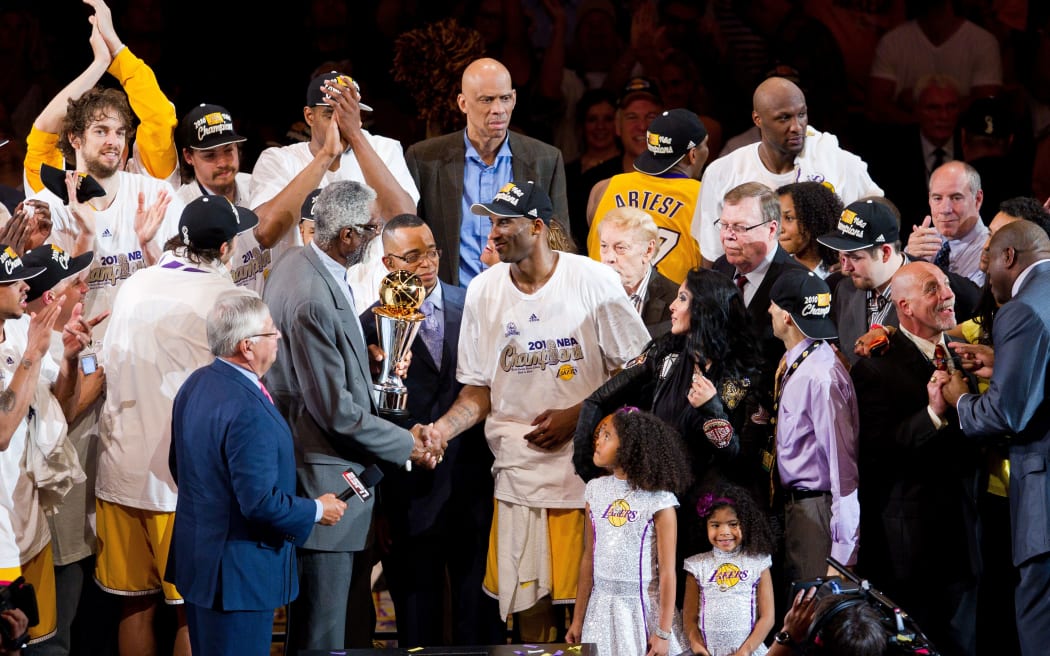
point(524, 559)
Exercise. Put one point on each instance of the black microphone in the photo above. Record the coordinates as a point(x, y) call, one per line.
point(359, 484)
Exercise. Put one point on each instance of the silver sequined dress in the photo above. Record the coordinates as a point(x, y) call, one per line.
point(625, 601)
point(728, 597)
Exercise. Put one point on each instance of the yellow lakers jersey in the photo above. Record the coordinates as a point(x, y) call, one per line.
point(671, 202)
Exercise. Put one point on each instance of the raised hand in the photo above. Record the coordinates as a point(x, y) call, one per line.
point(924, 241)
point(82, 213)
point(40, 326)
point(149, 219)
point(103, 21)
point(76, 334)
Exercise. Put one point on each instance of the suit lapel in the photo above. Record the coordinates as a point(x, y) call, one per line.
point(450, 179)
point(453, 297)
point(347, 316)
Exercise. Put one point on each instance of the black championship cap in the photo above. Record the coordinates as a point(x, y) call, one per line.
point(210, 221)
point(315, 97)
point(806, 297)
point(11, 267)
point(639, 87)
point(57, 264)
point(306, 213)
point(208, 126)
point(863, 224)
point(512, 200)
point(55, 182)
point(670, 136)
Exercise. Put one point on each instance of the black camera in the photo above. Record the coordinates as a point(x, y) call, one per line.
point(17, 595)
point(903, 635)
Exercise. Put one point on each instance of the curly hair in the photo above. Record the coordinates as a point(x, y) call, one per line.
point(94, 105)
point(817, 211)
point(652, 453)
point(720, 329)
point(756, 534)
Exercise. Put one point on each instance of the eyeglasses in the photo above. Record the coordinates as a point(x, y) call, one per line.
point(367, 228)
point(414, 257)
point(738, 228)
point(275, 334)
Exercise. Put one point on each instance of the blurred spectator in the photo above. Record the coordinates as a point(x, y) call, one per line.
point(936, 41)
point(596, 123)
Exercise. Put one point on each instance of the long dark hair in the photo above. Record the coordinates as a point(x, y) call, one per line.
point(720, 330)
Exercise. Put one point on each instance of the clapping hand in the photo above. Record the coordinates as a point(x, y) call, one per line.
point(924, 241)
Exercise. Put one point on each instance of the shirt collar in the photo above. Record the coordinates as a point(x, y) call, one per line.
point(247, 373)
point(924, 345)
point(337, 270)
point(1023, 276)
point(472, 152)
point(436, 298)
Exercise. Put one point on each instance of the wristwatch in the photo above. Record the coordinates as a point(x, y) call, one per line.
point(784, 638)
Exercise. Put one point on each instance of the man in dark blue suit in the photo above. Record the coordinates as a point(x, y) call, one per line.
point(237, 517)
point(445, 513)
point(1016, 405)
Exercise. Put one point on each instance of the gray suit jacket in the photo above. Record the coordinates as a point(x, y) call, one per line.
point(322, 385)
point(1017, 404)
point(437, 165)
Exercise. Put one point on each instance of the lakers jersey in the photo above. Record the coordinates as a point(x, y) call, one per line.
point(671, 201)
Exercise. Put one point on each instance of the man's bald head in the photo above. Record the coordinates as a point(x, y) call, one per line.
point(924, 299)
point(782, 118)
point(1014, 248)
point(480, 69)
point(776, 91)
point(487, 97)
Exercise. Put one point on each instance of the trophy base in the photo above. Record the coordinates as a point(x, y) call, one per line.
point(390, 401)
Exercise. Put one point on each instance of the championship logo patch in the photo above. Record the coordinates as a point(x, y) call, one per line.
point(718, 432)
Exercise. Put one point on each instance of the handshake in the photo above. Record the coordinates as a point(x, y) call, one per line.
point(429, 445)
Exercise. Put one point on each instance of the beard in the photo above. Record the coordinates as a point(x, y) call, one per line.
point(98, 170)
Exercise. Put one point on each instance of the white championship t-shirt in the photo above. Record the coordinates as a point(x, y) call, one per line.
point(547, 350)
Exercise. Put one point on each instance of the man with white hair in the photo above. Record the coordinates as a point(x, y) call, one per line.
point(627, 239)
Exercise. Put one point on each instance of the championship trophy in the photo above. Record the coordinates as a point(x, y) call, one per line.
point(397, 321)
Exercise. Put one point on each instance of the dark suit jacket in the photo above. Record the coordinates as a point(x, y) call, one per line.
point(1016, 403)
point(322, 385)
point(849, 309)
point(918, 489)
point(656, 313)
point(237, 516)
point(900, 169)
point(772, 347)
point(437, 165)
point(416, 501)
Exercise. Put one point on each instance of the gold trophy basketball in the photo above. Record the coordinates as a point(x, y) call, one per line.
point(397, 321)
